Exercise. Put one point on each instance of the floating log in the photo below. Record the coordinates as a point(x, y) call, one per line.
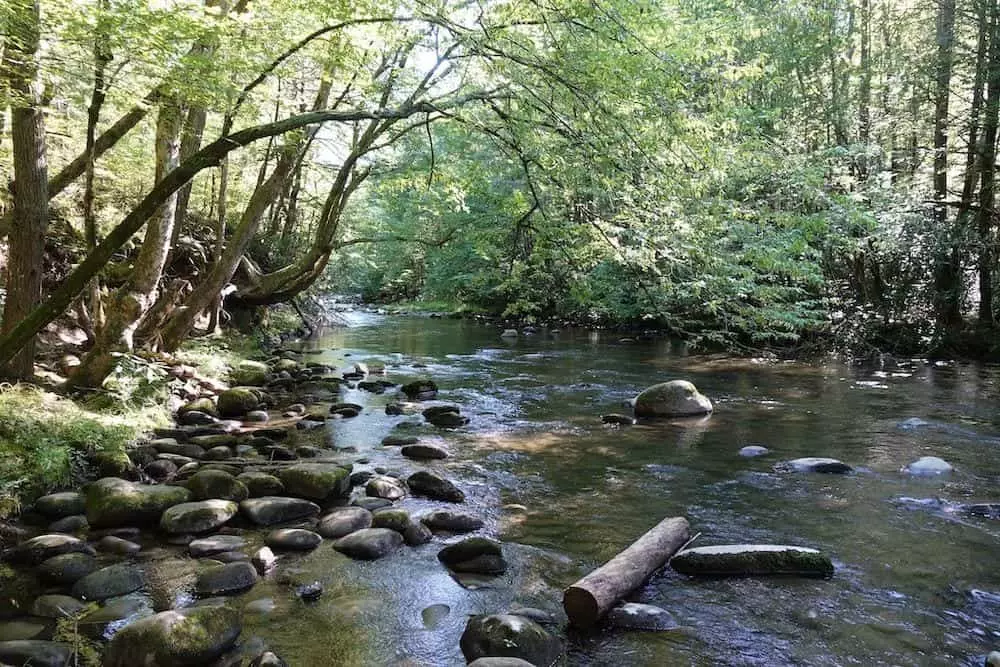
point(744, 560)
point(592, 597)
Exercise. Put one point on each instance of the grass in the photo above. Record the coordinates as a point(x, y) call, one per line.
point(45, 439)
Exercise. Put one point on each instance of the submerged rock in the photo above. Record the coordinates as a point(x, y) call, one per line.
point(635, 616)
point(752, 560)
point(423, 390)
point(192, 636)
point(815, 464)
point(677, 398)
point(617, 419)
point(424, 452)
point(928, 466)
point(506, 635)
point(227, 579)
point(36, 653)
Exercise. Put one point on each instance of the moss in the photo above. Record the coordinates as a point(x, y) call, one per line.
point(316, 481)
point(115, 502)
point(249, 374)
point(237, 401)
point(205, 405)
point(800, 562)
point(397, 520)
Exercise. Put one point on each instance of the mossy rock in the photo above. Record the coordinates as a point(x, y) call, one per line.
point(113, 463)
point(249, 374)
point(205, 405)
point(238, 401)
point(510, 636)
point(393, 519)
point(424, 390)
point(752, 560)
point(261, 484)
point(193, 636)
point(112, 502)
point(316, 481)
point(209, 484)
point(287, 365)
point(677, 398)
point(198, 517)
point(59, 505)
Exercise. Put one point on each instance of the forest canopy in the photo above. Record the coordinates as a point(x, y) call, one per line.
point(743, 174)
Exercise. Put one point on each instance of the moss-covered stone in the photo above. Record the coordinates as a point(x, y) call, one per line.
point(752, 560)
point(507, 635)
point(287, 365)
point(261, 484)
point(194, 636)
point(238, 401)
point(205, 405)
point(249, 374)
point(198, 517)
point(209, 484)
point(316, 481)
point(393, 519)
point(59, 505)
point(112, 502)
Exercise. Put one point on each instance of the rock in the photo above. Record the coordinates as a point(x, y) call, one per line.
point(369, 543)
point(815, 464)
point(216, 544)
point(44, 547)
point(67, 568)
point(371, 504)
point(218, 485)
point(344, 521)
point(416, 534)
point(500, 662)
point(677, 398)
point(506, 635)
point(316, 481)
point(261, 484)
point(509, 333)
point(399, 440)
point(196, 418)
point(220, 453)
point(993, 659)
point(197, 517)
point(293, 539)
point(635, 616)
point(227, 579)
point(113, 502)
point(424, 452)
point(171, 446)
point(423, 390)
point(59, 505)
point(754, 450)
point(478, 555)
point(448, 420)
point(205, 406)
point(116, 545)
point(308, 452)
point(435, 487)
point(388, 488)
point(57, 606)
point(393, 409)
point(113, 614)
point(231, 557)
point(257, 416)
point(278, 453)
point(109, 582)
point(371, 386)
point(308, 424)
point(311, 591)
point(268, 659)
point(451, 521)
point(70, 524)
point(113, 463)
point(537, 615)
point(192, 636)
point(269, 510)
point(160, 469)
point(393, 519)
point(250, 374)
point(617, 419)
point(35, 653)
point(751, 560)
point(928, 466)
point(26, 628)
point(361, 477)
point(237, 402)
point(263, 560)
point(211, 440)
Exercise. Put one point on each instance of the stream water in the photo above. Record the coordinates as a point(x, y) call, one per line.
point(565, 493)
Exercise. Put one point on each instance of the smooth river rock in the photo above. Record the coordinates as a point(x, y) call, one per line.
point(751, 451)
point(506, 635)
point(109, 582)
point(477, 555)
point(269, 510)
point(67, 569)
point(182, 637)
point(112, 502)
point(227, 579)
point(59, 505)
point(369, 543)
point(216, 544)
point(216, 485)
point(752, 560)
point(316, 481)
point(35, 653)
point(815, 464)
point(200, 517)
point(260, 484)
point(677, 398)
point(344, 521)
point(928, 466)
point(636, 616)
point(44, 547)
point(293, 539)
point(451, 521)
point(433, 486)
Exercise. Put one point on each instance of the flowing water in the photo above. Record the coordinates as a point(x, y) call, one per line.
point(566, 493)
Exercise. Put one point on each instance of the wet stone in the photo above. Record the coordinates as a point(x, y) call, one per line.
point(227, 579)
point(477, 555)
point(43, 547)
point(36, 653)
point(424, 452)
point(310, 592)
point(635, 616)
point(399, 440)
point(270, 510)
point(344, 521)
point(109, 582)
point(68, 568)
point(435, 487)
point(451, 521)
point(369, 543)
point(216, 544)
point(57, 606)
point(116, 545)
point(263, 560)
point(260, 484)
point(293, 539)
point(70, 524)
point(59, 505)
point(384, 487)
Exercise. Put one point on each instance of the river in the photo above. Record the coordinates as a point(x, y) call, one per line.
point(565, 493)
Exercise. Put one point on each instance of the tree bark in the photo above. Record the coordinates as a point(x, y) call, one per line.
point(592, 597)
point(194, 130)
point(987, 186)
point(31, 201)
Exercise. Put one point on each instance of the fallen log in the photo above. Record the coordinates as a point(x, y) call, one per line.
point(746, 560)
point(592, 597)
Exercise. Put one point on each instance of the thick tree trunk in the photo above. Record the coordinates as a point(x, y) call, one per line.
point(130, 303)
point(31, 200)
point(592, 597)
point(194, 130)
point(947, 263)
point(987, 187)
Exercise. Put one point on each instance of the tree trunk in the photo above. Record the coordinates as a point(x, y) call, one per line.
point(865, 90)
point(947, 264)
point(131, 302)
point(31, 201)
point(194, 129)
point(987, 186)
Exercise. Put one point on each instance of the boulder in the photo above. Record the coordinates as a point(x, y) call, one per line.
point(388, 488)
point(59, 505)
point(216, 544)
point(220, 453)
point(66, 569)
point(197, 517)
point(203, 405)
point(451, 521)
point(344, 521)
point(818, 464)
point(188, 450)
point(753, 450)
point(227, 579)
point(506, 635)
point(421, 390)
point(369, 543)
point(424, 452)
point(113, 502)
point(478, 555)
point(181, 637)
point(160, 469)
point(316, 481)
point(399, 440)
point(263, 560)
point(635, 616)
point(113, 614)
point(116, 545)
point(237, 401)
point(416, 534)
point(261, 484)
point(44, 547)
point(57, 606)
point(393, 519)
point(76, 523)
point(269, 510)
point(928, 466)
point(448, 420)
point(109, 582)
point(752, 560)
point(35, 653)
point(435, 487)
point(218, 485)
point(293, 539)
point(677, 398)
point(249, 374)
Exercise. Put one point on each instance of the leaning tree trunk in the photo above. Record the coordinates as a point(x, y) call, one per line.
point(31, 201)
point(131, 301)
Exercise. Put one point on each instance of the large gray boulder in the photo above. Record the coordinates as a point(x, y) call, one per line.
point(677, 398)
point(112, 502)
point(200, 517)
point(344, 521)
point(178, 638)
point(507, 635)
point(369, 543)
point(109, 582)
